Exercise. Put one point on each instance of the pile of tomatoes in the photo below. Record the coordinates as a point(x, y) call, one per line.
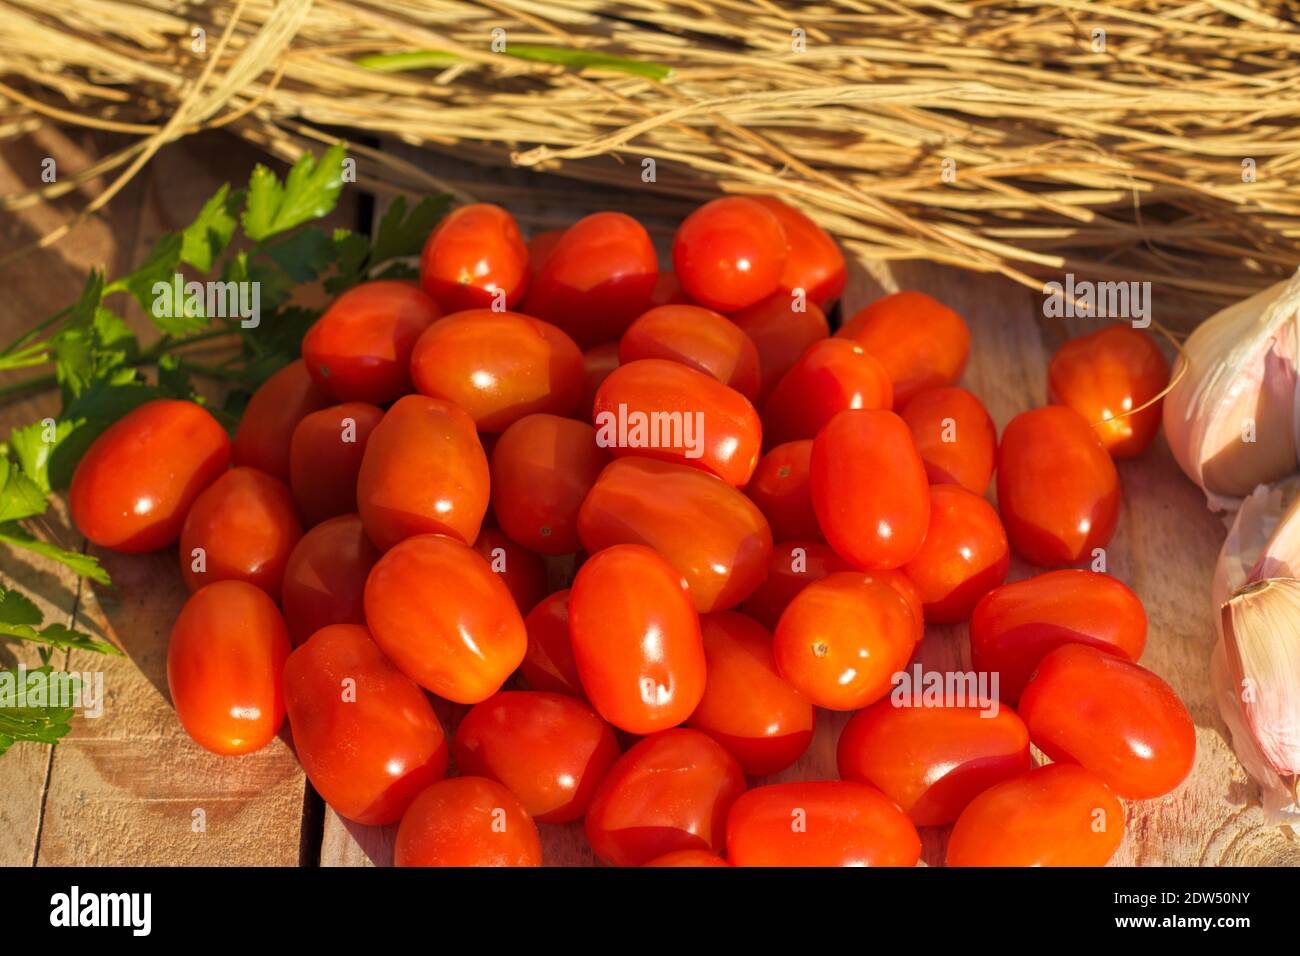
point(380, 561)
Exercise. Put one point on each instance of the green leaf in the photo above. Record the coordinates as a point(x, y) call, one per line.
point(16, 621)
point(43, 725)
point(20, 497)
point(153, 285)
point(310, 191)
point(401, 235)
point(304, 255)
point(85, 565)
point(173, 380)
point(18, 610)
point(560, 56)
point(209, 234)
point(351, 252)
point(34, 445)
point(411, 60)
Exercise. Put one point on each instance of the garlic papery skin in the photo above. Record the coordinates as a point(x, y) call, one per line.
point(1263, 541)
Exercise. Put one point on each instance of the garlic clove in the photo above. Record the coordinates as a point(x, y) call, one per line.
point(1263, 541)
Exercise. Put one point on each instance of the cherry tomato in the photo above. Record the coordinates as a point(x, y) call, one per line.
point(954, 437)
point(1058, 815)
point(714, 537)
point(815, 263)
point(550, 750)
point(932, 761)
point(670, 792)
point(696, 337)
point(696, 858)
point(325, 459)
point(794, 565)
point(597, 362)
point(730, 253)
point(325, 577)
point(783, 492)
point(363, 731)
point(498, 366)
point(747, 707)
point(135, 484)
point(668, 411)
point(475, 259)
point(1105, 374)
point(436, 608)
point(964, 556)
point(874, 524)
point(636, 639)
point(668, 291)
point(224, 667)
point(522, 571)
point(360, 349)
point(820, 823)
point(1112, 717)
point(540, 247)
point(833, 375)
point(597, 279)
point(920, 341)
point(1058, 490)
point(467, 821)
point(542, 469)
point(423, 471)
point(548, 663)
point(781, 333)
point(272, 414)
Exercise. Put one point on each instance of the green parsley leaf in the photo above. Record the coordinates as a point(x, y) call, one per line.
point(310, 191)
point(85, 565)
point(210, 233)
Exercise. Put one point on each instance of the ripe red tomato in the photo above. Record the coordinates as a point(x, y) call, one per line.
point(437, 609)
point(730, 253)
point(833, 375)
point(815, 263)
point(1058, 490)
point(542, 468)
point(540, 247)
point(696, 337)
point(920, 341)
point(272, 414)
point(224, 666)
point(548, 663)
point(522, 571)
point(964, 555)
point(665, 410)
point(550, 750)
point(820, 823)
point(475, 259)
point(424, 471)
point(1105, 374)
point(325, 459)
point(954, 437)
point(467, 821)
point(636, 639)
point(597, 362)
point(1017, 625)
point(932, 761)
point(1058, 815)
point(360, 349)
point(363, 731)
point(782, 489)
point(696, 858)
point(793, 566)
point(498, 366)
point(598, 278)
point(670, 792)
point(1112, 717)
point(781, 333)
point(747, 707)
point(325, 577)
point(874, 524)
point(668, 291)
point(842, 639)
point(136, 482)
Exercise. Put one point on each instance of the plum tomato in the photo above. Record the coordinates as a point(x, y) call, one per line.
point(665, 410)
point(271, 415)
point(437, 609)
point(1112, 717)
point(1057, 815)
point(783, 492)
point(747, 706)
point(225, 665)
point(550, 750)
point(820, 823)
point(241, 528)
point(696, 337)
point(475, 259)
point(954, 436)
point(135, 484)
point(598, 277)
point(730, 253)
point(815, 263)
point(325, 577)
point(841, 640)
point(636, 639)
point(1058, 490)
point(964, 555)
point(793, 566)
point(696, 858)
point(781, 333)
point(714, 537)
point(543, 467)
point(597, 362)
point(364, 732)
point(522, 571)
point(548, 663)
point(360, 349)
point(1105, 374)
point(325, 458)
point(920, 341)
point(831, 376)
point(670, 792)
point(423, 471)
point(467, 821)
point(498, 366)
point(871, 522)
point(932, 761)
point(1015, 626)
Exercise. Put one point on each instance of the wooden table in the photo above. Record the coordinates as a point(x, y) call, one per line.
point(131, 788)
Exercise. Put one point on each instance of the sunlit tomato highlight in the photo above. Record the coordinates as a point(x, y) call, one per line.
point(730, 253)
point(920, 341)
point(325, 459)
point(831, 376)
point(467, 821)
point(475, 259)
point(272, 414)
point(699, 338)
point(954, 436)
point(325, 577)
point(963, 557)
